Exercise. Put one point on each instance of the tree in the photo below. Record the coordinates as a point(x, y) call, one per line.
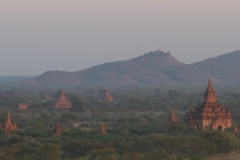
point(51, 151)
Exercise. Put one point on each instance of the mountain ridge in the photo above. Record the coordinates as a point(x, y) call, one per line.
point(151, 68)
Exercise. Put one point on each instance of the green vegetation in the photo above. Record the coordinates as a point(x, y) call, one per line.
point(133, 122)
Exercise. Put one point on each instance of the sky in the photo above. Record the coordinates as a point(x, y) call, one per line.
point(42, 35)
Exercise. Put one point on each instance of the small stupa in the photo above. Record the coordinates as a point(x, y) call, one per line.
point(172, 117)
point(9, 126)
point(57, 129)
point(235, 129)
point(108, 96)
point(63, 102)
point(102, 131)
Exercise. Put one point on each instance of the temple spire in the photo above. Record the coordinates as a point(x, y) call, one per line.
point(9, 126)
point(210, 95)
point(210, 84)
point(172, 117)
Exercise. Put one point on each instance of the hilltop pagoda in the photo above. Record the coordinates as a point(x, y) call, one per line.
point(172, 117)
point(9, 126)
point(102, 130)
point(107, 95)
point(63, 102)
point(57, 129)
point(210, 114)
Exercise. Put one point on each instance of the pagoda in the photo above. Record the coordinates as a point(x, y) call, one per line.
point(172, 117)
point(9, 126)
point(102, 130)
point(235, 129)
point(107, 95)
point(57, 129)
point(209, 114)
point(63, 102)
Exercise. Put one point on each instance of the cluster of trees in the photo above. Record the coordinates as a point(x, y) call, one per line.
point(123, 142)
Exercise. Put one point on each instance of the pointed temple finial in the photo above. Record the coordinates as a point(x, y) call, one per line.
point(210, 83)
point(210, 95)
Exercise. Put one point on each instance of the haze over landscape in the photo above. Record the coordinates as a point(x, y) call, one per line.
point(119, 80)
point(37, 36)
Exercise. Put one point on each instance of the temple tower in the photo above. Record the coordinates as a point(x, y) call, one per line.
point(209, 114)
point(102, 130)
point(63, 102)
point(172, 117)
point(9, 126)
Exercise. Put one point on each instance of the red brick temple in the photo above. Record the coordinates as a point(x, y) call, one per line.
point(22, 106)
point(57, 129)
point(210, 114)
point(63, 102)
point(108, 96)
point(102, 130)
point(172, 117)
point(9, 126)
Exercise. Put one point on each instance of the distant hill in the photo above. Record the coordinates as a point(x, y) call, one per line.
point(152, 68)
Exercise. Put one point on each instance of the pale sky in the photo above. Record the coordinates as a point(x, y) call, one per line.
point(41, 35)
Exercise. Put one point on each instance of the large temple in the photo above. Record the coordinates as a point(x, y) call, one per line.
point(210, 114)
point(63, 102)
point(107, 95)
point(9, 126)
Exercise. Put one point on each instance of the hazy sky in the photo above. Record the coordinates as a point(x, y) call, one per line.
point(41, 35)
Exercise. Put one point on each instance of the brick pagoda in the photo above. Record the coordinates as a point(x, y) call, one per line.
point(210, 114)
point(63, 102)
point(57, 129)
point(172, 117)
point(9, 126)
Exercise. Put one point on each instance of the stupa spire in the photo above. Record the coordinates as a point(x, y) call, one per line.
point(210, 95)
point(172, 117)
